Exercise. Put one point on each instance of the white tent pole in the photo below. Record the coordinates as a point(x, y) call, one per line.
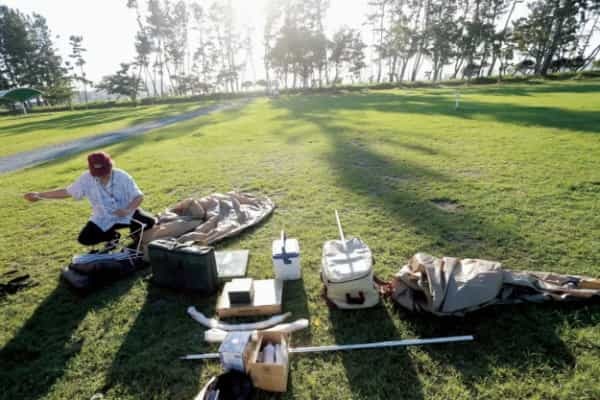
point(339, 225)
point(206, 356)
point(379, 345)
point(359, 346)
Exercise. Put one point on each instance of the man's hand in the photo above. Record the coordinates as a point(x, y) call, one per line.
point(32, 196)
point(122, 212)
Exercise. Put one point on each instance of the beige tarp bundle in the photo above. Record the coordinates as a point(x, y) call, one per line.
point(453, 286)
point(210, 219)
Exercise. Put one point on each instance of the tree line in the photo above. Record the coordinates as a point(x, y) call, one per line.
point(196, 47)
point(475, 38)
point(28, 57)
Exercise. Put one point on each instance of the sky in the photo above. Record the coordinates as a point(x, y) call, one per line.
point(108, 27)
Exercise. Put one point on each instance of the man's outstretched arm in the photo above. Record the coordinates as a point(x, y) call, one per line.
point(51, 194)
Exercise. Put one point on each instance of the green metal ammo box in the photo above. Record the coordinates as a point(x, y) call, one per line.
point(183, 266)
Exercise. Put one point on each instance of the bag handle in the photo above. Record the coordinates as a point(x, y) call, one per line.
point(283, 238)
point(284, 256)
point(178, 245)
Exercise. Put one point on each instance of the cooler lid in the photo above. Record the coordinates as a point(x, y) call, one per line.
point(346, 264)
point(292, 248)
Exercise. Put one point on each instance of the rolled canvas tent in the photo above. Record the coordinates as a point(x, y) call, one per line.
point(454, 286)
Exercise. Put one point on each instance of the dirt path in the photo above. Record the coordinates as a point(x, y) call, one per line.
point(34, 157)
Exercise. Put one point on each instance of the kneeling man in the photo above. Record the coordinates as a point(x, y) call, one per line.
point(114, 196)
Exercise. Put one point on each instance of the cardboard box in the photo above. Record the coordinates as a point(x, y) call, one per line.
point(269, 376)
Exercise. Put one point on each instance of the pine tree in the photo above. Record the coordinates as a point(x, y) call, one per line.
point(76, 55)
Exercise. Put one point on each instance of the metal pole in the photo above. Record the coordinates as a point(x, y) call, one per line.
point(378, 345)
point(207, 356)
point(339, 224)
point(360, 346)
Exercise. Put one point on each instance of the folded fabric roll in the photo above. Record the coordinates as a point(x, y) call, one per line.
point(454, 286)
point(210, 219)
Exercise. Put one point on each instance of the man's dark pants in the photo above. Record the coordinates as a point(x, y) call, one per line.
point(91, 234)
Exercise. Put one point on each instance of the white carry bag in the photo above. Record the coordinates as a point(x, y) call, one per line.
point(347, 272)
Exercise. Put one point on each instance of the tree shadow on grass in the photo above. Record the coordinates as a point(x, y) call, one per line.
point(523, 338)
point(390, 186)
point(86, 118)
point(37, 356)
point(295, 301)
point(189, 127)
point(515, 340)
point(147, 363)
point(374, 373)
point(318, 109)
point(396, 185)
point(65, 121)
point(174, 131)
point(526, 89)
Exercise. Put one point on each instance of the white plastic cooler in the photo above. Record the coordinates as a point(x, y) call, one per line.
point(286, 258)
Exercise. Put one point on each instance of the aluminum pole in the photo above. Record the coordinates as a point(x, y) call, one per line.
point(359, 346)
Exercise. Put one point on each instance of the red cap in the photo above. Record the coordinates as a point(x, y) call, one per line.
point(100, 163)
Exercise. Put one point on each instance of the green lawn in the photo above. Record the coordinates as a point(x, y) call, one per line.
point(26, 132)
point(522, 164)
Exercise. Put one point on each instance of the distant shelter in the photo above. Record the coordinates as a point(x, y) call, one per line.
point(18, 99)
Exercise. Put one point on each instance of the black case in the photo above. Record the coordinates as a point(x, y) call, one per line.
point(183, 266)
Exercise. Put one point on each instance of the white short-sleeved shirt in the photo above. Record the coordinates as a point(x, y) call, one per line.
point(105, 200)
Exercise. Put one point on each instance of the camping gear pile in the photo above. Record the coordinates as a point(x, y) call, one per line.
point(261, 349)
point(98, 268)
point(184, 226)
point(256, 354)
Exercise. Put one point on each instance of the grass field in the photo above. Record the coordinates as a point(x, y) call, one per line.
point(518, 165)
point(26, 132)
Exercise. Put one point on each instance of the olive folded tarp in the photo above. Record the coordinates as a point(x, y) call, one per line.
point(453, 286)
point(210, 219)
